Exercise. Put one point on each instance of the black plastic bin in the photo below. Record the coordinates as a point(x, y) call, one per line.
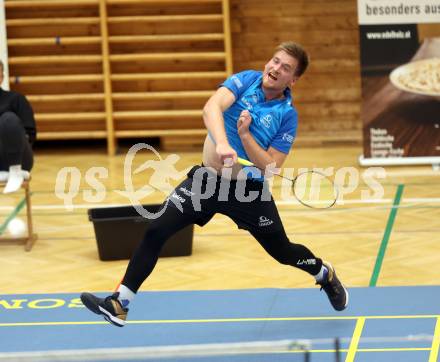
point(118, 231)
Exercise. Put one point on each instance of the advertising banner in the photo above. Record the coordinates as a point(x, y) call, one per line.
point(400, 69)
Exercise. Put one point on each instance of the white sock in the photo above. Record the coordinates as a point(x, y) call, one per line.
point(322, 275)
point(15, 179)
point(125, 295)
point(4, 175)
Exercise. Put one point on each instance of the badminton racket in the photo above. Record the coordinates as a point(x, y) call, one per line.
point(311, 188)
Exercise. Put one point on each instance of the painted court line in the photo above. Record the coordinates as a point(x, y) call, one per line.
point(386, 237)
point(425, 200)
point(435, 342)
point(355, 339)
point(219, 320)
point(410, 349)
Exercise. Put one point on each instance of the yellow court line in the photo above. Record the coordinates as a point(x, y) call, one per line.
point(229, 320)
point(37, 324)
point(415, 316)
point(355, 339)
point(409, 349)
point(435, 342)
point(219, 320)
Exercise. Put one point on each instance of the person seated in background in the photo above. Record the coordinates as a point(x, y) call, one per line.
point(17, 135)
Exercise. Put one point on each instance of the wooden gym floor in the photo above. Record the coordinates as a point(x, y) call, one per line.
point(370, 243)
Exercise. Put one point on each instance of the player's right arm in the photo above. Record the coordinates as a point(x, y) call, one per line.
point(219, 102)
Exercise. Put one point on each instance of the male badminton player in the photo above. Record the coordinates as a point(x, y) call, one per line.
point(250, 116)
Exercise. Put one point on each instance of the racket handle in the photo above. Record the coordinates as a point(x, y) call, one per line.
point(244, 162)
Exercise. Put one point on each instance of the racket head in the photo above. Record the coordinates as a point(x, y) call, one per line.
point(315, 190)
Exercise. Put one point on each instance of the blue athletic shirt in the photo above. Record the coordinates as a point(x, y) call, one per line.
point(273, 123)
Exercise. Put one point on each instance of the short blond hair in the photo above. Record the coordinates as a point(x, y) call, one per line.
point(298, 52)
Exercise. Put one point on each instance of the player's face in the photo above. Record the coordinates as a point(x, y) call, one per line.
point(279, 72)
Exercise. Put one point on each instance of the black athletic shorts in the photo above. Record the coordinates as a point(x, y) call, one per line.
point(248, 203)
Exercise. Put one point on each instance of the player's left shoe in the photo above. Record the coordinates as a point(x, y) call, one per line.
point(336, 292)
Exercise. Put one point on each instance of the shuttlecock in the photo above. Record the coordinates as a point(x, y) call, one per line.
point(17, 227)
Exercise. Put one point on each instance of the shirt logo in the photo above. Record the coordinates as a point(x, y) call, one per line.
point(246, 103)
point(288, 138)
point(267, 120)
point(237, 81)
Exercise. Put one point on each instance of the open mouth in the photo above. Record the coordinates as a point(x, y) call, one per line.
point(272, 76)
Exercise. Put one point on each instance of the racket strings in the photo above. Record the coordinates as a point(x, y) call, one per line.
point(311, 188)
point(315, 189)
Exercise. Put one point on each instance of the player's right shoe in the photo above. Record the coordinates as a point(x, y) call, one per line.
point(109, 307)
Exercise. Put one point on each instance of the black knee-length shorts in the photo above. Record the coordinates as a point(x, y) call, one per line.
point(248, 203)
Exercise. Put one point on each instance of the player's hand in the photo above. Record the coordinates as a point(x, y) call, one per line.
point(227, 154)
point(243, 123)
